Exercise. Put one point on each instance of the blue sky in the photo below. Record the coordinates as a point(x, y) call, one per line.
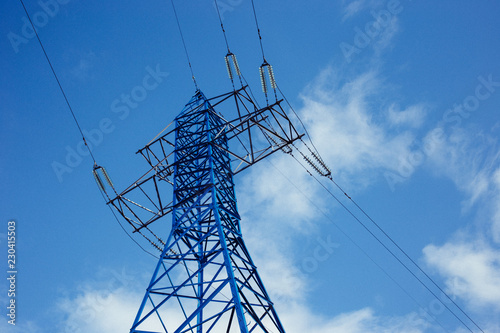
point(400, 97)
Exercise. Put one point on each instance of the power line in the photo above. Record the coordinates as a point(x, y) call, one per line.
point(316, 154)
point(381, 230)
point(311, 201)
point(184, 44)
point(387, 248)
point(406, 255)
point(258, 30)
point(58, 82)
point(74, 116)
point(222, 25)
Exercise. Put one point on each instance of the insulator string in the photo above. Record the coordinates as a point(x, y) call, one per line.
point(229, 55)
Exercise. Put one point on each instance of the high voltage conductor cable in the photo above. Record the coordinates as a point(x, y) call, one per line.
point(221, 24)
point(321, 163)
point(317, 168)
point(57, 80)
point(389, 250)
point(125, 231)
point(353, 241)
point(407, 255)
point(258, 30)
point(184, 44)
point(298, 118)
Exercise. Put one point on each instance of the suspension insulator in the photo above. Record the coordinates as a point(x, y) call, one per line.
point(313, 165)
point(271, 76)
point(98, 180)
point(322, 163)
point(228, 66)
point(106, 175)
point(235, 64)
point(263, 79)
point(285, 148)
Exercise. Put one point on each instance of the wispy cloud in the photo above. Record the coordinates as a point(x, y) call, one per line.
point(469, 262)
point(82, 64)
point(469, 158)
point(351, 132)
point(351, 8)
point(20, 327)
point(471, 270)
point(358, 139)
point(301, 319)
point(495, 228)
point(99, 311)
point(412, 116)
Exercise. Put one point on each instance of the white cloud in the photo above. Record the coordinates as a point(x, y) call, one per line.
point(85, 62)
point(21, 326)
point(110, 311)
point(349, 133)
point(467, 157)
point(100, 311)
point(384, 40)
point(412, 116)
point(354, 7)
point(471, 271)
point(272, 188)
point(495, 228)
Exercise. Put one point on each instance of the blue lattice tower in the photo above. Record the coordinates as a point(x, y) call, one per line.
point(205, 279)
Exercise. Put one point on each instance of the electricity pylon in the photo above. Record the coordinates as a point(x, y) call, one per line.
point(205, 279)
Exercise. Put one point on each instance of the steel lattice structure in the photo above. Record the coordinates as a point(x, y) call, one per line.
point(205, 279)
